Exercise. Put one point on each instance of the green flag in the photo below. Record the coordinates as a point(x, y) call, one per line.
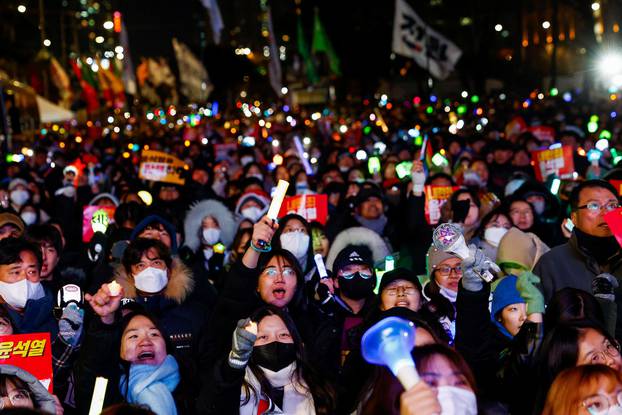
point(303, 49)
point(322, 44)
point(88, 75)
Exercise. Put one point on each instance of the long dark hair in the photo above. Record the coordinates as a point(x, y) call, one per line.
point(572, 304)
point(265, 258)
point(323, 394)
point(559, 351)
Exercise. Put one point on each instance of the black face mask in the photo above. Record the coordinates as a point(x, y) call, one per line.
point(357, 287)
point(274, 356)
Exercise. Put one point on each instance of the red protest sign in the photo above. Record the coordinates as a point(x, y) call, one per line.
point(557, 161)
point(31, 352)
point(435, 198)
point(93, 218)
point(618, 185)
point(614, 220)
point(543, 133)
point(310, 207)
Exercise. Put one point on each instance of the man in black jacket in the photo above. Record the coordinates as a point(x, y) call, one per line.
point(591, 260)
point(354, 281)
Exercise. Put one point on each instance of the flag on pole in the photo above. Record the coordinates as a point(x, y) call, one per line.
point(193, 77)
point(61, 81)
point(321, 43)
point(274, 68)
point(215, 18)
point(413, 38)
point(303, 50)
point(129, 79)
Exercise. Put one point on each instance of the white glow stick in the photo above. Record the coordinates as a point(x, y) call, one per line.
point(99, 392)
point(321, 268)
point(423, 146)
point(301, 154)
point(277, 199)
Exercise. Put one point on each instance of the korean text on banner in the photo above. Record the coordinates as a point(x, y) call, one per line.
point(31, 352)
point(161, 167)
point(435, 198)
point(557, 161)
point(310, 207)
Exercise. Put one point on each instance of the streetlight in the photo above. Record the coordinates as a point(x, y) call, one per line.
point(47, 43)
point(546, 24)
point(108, 25)
point(596, 6)
point(498, 27)
point(21, 8)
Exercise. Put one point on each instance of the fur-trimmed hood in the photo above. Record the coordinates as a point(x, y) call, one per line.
point(180, 282)
point(202, 209)
point(358, 236)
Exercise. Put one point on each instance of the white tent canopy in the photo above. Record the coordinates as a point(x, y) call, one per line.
point(50, 112)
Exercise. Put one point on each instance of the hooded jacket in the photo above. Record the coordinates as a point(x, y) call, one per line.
point(179, 313)
point(157, 219)
point(201, 210)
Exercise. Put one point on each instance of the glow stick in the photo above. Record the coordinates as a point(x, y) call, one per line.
point(423, 146)
point(301, 154)
point(277, 199)
point(321, 268)
point(99, 392)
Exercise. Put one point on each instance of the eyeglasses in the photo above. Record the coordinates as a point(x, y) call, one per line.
point(600, 356)
point(285, 273)
point(600, 404)
point(363, 275)
point(445, 270)
point(19, 397)
point(517, 212)
point(595, 206)
point(394, 291)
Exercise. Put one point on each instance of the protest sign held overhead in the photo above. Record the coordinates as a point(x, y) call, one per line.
point(414, 38)
point(557, 161)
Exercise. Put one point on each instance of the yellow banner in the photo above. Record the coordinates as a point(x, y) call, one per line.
point(161, 167)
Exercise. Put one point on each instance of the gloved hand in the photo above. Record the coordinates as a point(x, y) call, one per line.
point(604, 285)
point(525, 285)
point(70, 324)
point(474, 266)
point(244, 338)
point(323, 293)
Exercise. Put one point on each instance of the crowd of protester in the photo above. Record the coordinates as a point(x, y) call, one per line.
point(206, 318)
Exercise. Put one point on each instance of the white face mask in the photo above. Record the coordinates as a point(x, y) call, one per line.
point(448, 294)
point(29, 218)
point(151, 280)
point(20, 197)
point(614, 410)
point(456, 401)
point(18, 293)
point(35, 290)
point(245, 160)
point(256, 176)
point(494, 234)
point(252, 213)
point(539, 206)
point(211, 236)
point(295, 242)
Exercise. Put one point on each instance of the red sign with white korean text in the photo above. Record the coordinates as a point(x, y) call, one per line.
point(31, 352)
point(435, 198)
point(557, 161)
point(310, 207)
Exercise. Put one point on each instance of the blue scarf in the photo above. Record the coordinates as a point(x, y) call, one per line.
point(153, 386)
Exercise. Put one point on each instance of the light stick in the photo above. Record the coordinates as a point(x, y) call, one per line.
point(389, 343)
point(99, 393)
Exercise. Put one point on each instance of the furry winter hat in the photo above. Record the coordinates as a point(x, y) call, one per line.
point(358, 236)
point(201, 210)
